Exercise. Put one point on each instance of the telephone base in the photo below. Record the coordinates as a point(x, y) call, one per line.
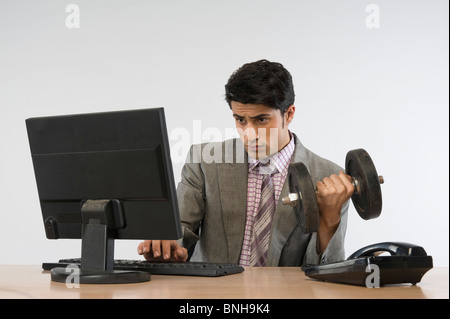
point(362, 271)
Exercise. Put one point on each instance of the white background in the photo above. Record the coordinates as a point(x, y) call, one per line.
point(384, 89)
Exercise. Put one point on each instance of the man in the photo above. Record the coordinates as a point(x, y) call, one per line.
point(231, 210)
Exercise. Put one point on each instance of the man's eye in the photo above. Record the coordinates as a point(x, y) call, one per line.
point(240, 121)
point(263, 120)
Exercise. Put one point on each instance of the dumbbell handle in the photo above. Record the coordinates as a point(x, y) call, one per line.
point(292, 198)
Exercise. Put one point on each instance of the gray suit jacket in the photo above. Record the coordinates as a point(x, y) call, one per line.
point(212, 196)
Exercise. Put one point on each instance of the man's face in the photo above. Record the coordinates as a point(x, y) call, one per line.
point(262, 129)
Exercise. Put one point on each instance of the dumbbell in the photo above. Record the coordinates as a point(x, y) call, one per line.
point(366, 197)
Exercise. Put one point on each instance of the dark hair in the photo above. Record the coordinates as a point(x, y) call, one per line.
point(261, 82)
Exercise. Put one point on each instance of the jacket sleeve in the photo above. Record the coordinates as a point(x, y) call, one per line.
point(191, 197)
point(335, 250)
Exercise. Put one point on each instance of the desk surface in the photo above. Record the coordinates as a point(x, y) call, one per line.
point(254, 283)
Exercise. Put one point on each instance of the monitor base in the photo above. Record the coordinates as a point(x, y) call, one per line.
point(73, 276)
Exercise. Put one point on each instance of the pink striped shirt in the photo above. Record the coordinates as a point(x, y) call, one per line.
point(281, 161)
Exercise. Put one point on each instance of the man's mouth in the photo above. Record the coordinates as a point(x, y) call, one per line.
point(253, 147)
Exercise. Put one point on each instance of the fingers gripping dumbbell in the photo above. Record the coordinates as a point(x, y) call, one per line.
point(366, 197)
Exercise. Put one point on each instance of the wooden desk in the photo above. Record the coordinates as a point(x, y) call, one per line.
point(254, 283)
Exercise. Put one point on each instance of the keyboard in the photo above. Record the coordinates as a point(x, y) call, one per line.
point(162, 268)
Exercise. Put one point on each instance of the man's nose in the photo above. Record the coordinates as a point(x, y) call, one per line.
point(252, 133)
point(249, 134)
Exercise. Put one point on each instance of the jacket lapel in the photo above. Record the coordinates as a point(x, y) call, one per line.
point(284, 220)
point(232, 177)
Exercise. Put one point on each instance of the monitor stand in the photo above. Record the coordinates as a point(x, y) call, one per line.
point(100, 220)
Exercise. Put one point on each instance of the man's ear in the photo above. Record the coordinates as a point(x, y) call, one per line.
point(289, 114)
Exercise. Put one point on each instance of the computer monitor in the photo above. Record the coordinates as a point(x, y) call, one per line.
point(101, 177)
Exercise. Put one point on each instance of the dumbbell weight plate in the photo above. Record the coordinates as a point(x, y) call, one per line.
point(367, 198)
point(307, 209)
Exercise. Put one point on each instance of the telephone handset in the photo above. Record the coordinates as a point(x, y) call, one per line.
point(394, 248)
point(407, 263)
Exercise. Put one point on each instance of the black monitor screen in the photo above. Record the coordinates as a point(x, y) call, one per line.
point(122, 155)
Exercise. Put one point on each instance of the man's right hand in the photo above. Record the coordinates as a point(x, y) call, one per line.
point(162, 250)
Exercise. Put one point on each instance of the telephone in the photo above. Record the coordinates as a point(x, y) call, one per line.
point(407, 263)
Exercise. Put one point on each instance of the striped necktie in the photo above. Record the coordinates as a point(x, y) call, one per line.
point(263, 218)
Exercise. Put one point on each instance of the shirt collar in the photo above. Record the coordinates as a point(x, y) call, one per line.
point(281, 159)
